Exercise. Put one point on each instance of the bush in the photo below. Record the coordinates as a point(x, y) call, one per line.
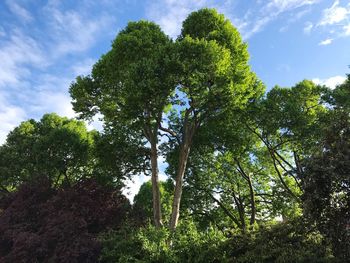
point(284, 242)
point(42, 224)
point(149, 244)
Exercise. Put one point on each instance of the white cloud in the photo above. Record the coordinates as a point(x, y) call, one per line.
point(326, 42)
point(331, 82)
point(51, 95)
point(334, 14)
point(18, 10)
point(170, 14)
point(10, 117)
point(50, 101)
point(337, 19)
point(132, 186)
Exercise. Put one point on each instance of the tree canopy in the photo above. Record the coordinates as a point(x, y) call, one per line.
point(252, 175)
point(56, 147)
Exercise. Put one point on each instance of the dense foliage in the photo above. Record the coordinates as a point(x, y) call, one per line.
point(294, 241)
point(253, 176)
point(56, 147)
point(327, 177)
point(149, 244)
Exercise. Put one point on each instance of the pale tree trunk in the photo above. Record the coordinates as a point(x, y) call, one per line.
point(183, 156)
point(185, 146)
point(157, 214)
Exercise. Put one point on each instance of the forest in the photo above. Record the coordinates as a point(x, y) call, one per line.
point(254, 175)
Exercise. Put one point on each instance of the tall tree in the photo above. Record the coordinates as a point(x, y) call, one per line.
point(214, 78)
point(130, 85)
point(326, 179)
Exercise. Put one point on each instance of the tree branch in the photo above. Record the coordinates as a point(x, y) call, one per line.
point(226, 211)
point(170, 132)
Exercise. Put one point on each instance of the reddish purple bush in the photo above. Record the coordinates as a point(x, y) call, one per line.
point(41, 224)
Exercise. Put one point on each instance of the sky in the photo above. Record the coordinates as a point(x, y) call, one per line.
point(45, 45)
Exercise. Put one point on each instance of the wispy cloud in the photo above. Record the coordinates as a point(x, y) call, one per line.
point(17, 52)
point(326, 42)
point(251, 28)
point(19, 11)
point(83, 67)
point(51, 95)
point(2, 32)
point(280, 6)
point(308, 27)
point(73, 31)
point(170, 13)
point(255, 22)
point(40, 59)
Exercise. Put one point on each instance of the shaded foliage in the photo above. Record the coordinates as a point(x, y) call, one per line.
point(118, 154)
point(327, 185)
point(294, 241)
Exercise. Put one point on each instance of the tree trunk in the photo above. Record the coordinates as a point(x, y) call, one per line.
point(252, 201)
point(241, 211)
point(157, 214)
point(226, 211)
point(247, 177)
point(183, 156)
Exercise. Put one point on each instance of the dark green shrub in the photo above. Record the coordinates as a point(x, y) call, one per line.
point(284, 242)
point(149, 244)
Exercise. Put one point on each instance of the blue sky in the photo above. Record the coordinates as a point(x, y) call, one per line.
point(44, 45)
